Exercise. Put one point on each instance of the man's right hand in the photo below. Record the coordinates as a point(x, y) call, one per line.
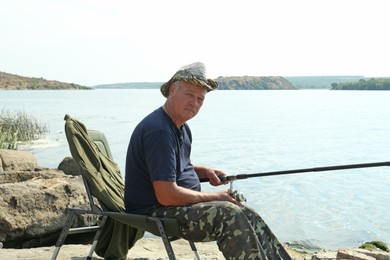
point(226, 195)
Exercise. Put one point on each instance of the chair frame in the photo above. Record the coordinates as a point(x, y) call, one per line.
point(158, 227)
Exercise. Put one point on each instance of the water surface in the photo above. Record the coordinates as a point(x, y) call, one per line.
point(257, 131)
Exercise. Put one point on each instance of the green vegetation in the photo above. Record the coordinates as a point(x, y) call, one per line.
point(320, 82)
point(364, 84)
point(18, 127)
point(375, 245)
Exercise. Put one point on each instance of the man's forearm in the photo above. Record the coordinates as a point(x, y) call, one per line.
point(170, 194)
point(201, 171)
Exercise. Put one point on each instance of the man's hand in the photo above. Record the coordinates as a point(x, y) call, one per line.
point(211, 174)
point(226, 195)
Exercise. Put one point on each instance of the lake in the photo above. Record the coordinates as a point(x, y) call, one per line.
point(244, 132)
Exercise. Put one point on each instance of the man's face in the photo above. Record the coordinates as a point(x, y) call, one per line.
point(187, 99)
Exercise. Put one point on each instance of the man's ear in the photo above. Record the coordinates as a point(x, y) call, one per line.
point(172, 88)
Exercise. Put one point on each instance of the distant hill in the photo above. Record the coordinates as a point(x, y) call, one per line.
point(224, 83)
point(253, 83)
point(11, 81)
point(16, 82)
point(318, 82)
point(131, 85)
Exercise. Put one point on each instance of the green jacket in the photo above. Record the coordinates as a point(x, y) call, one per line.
point(106, 184)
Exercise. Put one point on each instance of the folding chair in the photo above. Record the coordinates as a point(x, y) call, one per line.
point(104, 183)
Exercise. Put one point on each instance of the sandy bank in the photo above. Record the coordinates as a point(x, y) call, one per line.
point(146, 248)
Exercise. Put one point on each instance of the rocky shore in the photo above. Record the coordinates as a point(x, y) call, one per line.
point(33, 209)
point(146, 248)
point(34, 200)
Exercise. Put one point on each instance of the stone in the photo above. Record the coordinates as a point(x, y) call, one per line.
point(352, 254)
point(17, 160)
point(69, 166)
point(34, 201)
point(377, 254)
point(361, 254)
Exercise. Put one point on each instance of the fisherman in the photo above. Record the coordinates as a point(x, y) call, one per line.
point(162, 181)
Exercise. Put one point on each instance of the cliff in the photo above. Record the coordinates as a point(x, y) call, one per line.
point(253, 83)
point(16, 82)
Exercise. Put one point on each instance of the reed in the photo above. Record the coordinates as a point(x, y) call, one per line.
point(19, 127)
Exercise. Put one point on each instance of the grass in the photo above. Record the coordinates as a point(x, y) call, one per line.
point(375, 245)
point(19, 127)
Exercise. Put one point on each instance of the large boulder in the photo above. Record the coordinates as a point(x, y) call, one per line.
point(17, 160)
point(34, 201)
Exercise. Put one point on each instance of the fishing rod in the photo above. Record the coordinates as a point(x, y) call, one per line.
point(316, 169)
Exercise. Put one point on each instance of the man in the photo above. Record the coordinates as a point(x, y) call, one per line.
point(162, 181)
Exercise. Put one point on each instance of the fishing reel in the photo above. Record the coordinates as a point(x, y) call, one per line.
point(238, 196)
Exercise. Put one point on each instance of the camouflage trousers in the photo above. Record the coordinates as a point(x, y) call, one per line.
point(239, 231)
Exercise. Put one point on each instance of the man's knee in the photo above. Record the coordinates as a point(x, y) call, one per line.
point(230, 212)
point(210, 220)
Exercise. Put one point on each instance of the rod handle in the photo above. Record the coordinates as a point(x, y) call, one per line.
point(222, 178)
point(227, 178)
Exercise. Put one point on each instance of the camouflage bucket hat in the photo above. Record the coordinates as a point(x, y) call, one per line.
point(194, 73)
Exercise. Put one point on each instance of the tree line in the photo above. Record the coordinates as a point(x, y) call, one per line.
point(364, 84)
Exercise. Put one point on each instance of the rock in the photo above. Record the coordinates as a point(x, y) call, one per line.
point(352, 254)
point(377, 254)
point(362, 254)
point(17, 160)
point(69, 166)
point(24, 176)
point(34, 201)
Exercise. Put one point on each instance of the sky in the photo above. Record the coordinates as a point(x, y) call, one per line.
point(92, 42)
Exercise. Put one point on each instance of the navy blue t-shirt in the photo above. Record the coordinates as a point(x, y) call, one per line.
point(158, 150)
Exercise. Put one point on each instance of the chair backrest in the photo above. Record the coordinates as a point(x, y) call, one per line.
point(101, 141)
point(91, 152)
point(103, 181)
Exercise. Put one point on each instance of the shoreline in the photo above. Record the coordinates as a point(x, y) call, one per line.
point(145, 248)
